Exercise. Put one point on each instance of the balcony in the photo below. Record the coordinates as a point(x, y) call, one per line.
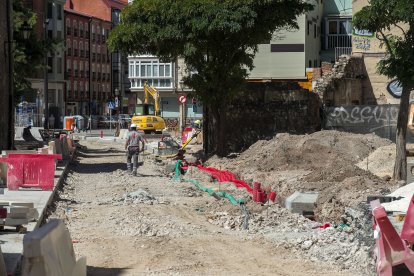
point(336, 41)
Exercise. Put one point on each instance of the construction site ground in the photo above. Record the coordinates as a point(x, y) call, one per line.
point(152, 224)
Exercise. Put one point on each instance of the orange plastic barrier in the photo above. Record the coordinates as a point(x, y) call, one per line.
point(69, 122)
point(30, 170)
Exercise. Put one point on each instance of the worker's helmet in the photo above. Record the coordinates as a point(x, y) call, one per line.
point(133, 126)
point(197, 122)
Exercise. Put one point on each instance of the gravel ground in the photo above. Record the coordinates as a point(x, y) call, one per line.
point(155, 226)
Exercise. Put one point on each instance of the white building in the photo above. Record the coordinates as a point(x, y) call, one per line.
point(166, 78)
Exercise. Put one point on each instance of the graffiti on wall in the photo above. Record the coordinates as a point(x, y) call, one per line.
point(361, 39)
point(362, 43)
point(380, 119)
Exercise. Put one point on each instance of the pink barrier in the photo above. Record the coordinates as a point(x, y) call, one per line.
point(391, 249)
point(226, 176)
point(30, 170)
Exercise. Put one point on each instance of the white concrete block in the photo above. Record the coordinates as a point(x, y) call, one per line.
point(52, 147)
point(48, 251)
point(2, 264)
point(301, 202)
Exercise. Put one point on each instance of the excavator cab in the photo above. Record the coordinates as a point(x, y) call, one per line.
point(144, 109)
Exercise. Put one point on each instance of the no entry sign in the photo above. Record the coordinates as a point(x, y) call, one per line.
point(182, 99)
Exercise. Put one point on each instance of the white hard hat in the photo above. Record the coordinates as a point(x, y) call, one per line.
point(133, 125)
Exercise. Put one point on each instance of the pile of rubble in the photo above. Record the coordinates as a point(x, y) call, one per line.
point(323, 162)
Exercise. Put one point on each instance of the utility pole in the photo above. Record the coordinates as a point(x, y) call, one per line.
point(6, 76)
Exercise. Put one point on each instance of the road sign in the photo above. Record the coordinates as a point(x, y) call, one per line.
point(182, 99)
point(111, 105)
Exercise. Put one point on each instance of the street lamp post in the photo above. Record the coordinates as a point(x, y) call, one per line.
point(46, 84)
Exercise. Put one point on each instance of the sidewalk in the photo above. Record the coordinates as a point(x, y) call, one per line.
point(11, 241)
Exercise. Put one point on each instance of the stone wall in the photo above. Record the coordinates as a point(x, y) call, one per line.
point(266, 109)
point(343, 84)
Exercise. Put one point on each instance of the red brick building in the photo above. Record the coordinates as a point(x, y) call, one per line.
point(108, 11)
point(87, 63)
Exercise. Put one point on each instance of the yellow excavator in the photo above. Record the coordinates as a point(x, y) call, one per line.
point(145, 121)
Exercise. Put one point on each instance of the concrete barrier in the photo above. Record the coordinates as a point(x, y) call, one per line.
point(302, 203)
point(48, 251)
point(52, 147)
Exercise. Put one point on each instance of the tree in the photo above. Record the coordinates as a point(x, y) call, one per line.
point(217, 39)
point(393, 23)
point(27, 53)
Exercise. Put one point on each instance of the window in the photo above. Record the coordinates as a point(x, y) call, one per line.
point(310, 63)
point(68, 28)
point(75, 68)
point(59, 65)
point(49, 10)
point(59, 11)
point(80, 29)
point(309, 26)
point(156, 73)
point(50, 64)
point(75, 28)
point(69, 90)
point(59, 35)
point(75, 48)
point(338, 33)
point(50, 34)
point(314, 30)
point(69, 47)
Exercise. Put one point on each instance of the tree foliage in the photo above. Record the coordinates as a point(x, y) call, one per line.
point(216, 38)
point(393, 23)
point(27, 53)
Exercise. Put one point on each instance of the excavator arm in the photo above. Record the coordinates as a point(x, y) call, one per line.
point(150, 90)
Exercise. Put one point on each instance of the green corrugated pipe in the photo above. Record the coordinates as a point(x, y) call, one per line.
point(230, 197)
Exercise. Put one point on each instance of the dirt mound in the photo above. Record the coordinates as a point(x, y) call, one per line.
point(324, 161)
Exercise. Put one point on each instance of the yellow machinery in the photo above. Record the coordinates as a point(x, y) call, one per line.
point(146, 121)
point(150, 90)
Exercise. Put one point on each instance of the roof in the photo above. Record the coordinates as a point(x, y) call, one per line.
point(84, 14)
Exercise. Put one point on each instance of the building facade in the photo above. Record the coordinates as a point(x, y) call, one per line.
point(108, 11)
point(50, 25)
point(88, 74)
point(290, 52)
point(336, 29)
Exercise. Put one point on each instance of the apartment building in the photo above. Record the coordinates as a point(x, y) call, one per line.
point(290, 52)
point(88, 74)
point(109, 11)
point(50, 25)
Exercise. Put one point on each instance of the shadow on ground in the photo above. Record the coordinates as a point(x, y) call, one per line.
point(103, 271)
point(99, 168)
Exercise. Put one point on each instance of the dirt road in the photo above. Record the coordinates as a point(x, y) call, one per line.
point(163, 228)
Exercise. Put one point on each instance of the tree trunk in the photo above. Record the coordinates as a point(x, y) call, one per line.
point(6, 77)
point(215, 132)
point(400, 167)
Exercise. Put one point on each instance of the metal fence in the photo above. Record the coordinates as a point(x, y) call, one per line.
point(339, 51)
point(28, 119)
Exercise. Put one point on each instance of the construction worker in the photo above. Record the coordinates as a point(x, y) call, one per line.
point(197, 124)
point(132, 148)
